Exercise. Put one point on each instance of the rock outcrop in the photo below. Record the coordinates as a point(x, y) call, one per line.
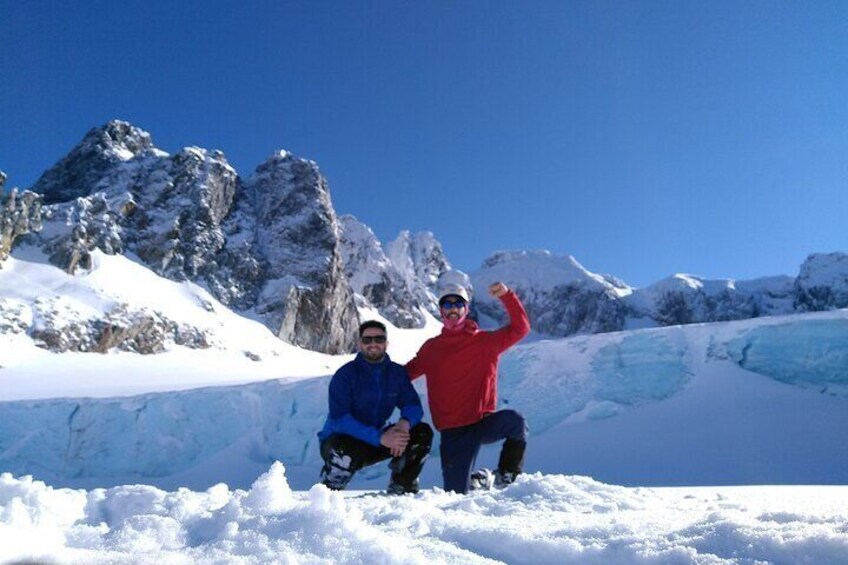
point(20, 214)
point(305, 297)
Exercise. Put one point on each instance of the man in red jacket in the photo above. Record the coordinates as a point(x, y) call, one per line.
point(461, 367)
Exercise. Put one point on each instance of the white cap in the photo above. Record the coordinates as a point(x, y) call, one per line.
point(453, 289)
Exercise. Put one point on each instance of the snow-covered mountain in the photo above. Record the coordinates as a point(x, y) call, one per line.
point(561, 297)
point(564, 298)
point(268, 246)
point(687, 299)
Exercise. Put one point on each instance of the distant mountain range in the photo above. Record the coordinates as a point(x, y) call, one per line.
point(272, 247)
point(563, 298)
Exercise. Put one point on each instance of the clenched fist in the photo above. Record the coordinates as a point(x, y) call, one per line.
point(498, 289)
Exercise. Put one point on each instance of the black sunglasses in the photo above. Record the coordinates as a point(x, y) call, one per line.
point(366, 339)
point(448, 304)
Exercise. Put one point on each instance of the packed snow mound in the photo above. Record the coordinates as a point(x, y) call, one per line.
point(540, 519)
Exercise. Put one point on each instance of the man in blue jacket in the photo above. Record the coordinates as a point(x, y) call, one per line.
point(363, 395)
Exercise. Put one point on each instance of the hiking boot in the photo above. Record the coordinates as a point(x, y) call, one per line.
point(481, 479)
point(503, 479)
point(397, 488)
point(337, 471)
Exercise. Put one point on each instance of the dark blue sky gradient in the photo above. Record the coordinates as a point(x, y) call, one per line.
point(644, 138)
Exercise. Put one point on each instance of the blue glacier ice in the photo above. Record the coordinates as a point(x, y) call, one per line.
point(156, 435)
point(808, 352)
point(642, 367)
point(548, 382)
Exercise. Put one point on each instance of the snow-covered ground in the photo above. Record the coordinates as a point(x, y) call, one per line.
point(541, 519)
point(675, 415)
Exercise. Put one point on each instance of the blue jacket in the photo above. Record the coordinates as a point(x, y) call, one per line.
point(363, 395)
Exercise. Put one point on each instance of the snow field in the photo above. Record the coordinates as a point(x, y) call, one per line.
point(540, 519)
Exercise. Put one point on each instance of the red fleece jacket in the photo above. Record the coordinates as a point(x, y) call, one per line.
point(462, 367)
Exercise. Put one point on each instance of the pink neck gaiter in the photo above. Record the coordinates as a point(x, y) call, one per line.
point(455, 325)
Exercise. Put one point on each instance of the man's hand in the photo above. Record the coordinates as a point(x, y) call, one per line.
point(403, 424)
point(396, 439)
point(498, 289)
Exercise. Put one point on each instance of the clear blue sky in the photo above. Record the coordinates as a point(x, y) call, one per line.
point(644, 138)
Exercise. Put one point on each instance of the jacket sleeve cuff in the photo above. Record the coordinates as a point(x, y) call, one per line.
point(413, 414)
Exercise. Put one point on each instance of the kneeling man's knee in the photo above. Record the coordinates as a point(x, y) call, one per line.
point(518, 429)
point(421, 434)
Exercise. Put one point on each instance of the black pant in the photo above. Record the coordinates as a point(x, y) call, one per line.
point(460, 447)
point(344, 455)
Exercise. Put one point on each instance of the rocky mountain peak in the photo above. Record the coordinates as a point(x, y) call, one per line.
point(268, 247)
point(288, 223)
point(79, 172)
point(120, 138)
point(283, 169)
point(295, 219)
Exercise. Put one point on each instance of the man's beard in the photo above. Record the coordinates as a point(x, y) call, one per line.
point(374, 357)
